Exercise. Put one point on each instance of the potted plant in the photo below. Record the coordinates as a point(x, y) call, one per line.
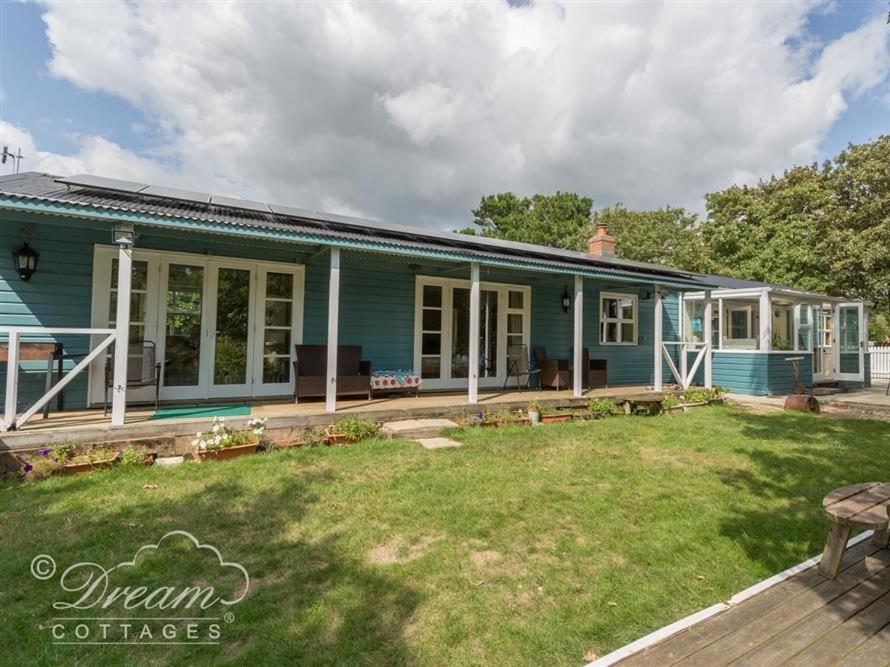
point(223, 443)
point(549, 415)
point(351, 430)
point(134, 458)
point(534, 413)
point(600, 408)
point(64, 459)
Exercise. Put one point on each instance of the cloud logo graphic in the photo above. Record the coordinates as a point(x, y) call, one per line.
point(148, 548)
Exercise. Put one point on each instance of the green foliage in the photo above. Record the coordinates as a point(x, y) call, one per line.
point(698, 395)
point(561, 220)
point(50, 460)
point(598, 408)
point(669, 401)
point(314, 438)
point(132, 458)
point(667, 236)
point(356, 428)
point(535, 406)
point(824, 228)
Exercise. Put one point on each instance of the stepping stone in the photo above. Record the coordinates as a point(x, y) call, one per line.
point(168, 461)
point(437, 443)
point(416, 429)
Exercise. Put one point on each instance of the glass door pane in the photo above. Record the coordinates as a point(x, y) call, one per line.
point(848, 335)
point(460, 333)
point(488, 334)
point(431, 313)
point(232, 326)
point(277, 328)
point(184, 303)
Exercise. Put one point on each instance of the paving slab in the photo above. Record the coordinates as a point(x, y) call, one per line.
point(437, 443)
point(415, 429)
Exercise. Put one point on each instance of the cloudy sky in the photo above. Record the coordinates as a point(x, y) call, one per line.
point(410, 112)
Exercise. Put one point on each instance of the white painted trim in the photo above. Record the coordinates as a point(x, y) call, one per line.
point(863, 341)
point(709, 339)
point(473, 347)
point(578, 338)
point(330, 402)
point(658, 335)
point(693, 619)
point(155, 320)
point(635, 300)
point(122, 337)
point(10, 407)
point(445, 381)
point(766, 321)
point(785, 352)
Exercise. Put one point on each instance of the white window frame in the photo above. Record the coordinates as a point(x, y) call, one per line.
point(158, 261)
point(749, 312)
point(445, 381)
point(635, 300)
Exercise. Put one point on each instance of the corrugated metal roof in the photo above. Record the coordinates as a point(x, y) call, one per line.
point(104, 194)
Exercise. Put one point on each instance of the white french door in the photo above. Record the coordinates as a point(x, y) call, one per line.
point(224, 327)
point(442, 330)
point(851, 332)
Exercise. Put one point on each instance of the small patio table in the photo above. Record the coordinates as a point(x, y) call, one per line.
point(861, 507)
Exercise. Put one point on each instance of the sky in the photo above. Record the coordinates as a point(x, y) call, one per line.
point(410, 112)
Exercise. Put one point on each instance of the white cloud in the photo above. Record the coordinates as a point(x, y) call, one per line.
point(410, 112)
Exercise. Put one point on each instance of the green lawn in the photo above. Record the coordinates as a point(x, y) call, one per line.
point(525, 546)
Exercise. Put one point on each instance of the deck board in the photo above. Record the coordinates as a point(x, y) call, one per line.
point(804, 620)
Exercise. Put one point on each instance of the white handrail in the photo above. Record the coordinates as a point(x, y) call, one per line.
point(10, 408)
point(684, 378)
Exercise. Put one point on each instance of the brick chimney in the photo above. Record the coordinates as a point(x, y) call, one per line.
point(601, 244)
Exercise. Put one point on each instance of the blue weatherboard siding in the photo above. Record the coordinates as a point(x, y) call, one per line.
point(377, 302)
point(781, 372)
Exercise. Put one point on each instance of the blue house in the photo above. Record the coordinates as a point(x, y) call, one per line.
point(224, 289)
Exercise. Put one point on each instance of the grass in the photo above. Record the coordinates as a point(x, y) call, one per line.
point(525, 546)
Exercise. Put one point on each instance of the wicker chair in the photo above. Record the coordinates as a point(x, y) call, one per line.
point(554, 372)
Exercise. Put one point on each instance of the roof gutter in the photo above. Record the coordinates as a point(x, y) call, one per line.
point(13, 203)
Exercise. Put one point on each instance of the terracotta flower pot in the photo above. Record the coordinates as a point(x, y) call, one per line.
point(558, 417)
point(336, 438)
point(76, 468)
point(227, 452)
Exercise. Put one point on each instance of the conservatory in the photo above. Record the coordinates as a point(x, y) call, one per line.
point(771, 339)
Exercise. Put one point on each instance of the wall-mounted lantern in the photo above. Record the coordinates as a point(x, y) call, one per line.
point(25, 260)
point(566, 300)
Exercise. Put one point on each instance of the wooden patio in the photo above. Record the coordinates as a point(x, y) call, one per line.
point(284, 415)
point(805, 620)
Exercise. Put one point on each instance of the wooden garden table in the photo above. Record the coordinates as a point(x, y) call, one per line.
point(860, 507)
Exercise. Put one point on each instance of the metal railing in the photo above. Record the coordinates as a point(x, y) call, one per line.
point(10, 404)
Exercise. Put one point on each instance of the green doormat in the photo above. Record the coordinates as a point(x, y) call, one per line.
point(198, 411)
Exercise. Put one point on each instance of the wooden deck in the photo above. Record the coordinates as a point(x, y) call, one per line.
point(805, 620)
point(92, 426)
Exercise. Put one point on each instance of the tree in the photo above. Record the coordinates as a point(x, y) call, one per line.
point(667, 236)
point(560, 220)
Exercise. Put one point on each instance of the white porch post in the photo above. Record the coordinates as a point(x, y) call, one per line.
point(330, 401)
point(657, 336)
point(473, 397)
point(719, 324)
point(12, 381)
point(709, 336)
point(578, 379)
point(766, 322)
point(796, 326)
point(124, 239)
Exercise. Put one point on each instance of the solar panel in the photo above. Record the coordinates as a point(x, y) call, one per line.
point(176, 193)
point(233, 202)
point(296, 212)
point(102, 183)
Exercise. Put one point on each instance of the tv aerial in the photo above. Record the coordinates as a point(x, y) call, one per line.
point(15, 157)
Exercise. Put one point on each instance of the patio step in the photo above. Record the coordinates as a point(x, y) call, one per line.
point(417, 429)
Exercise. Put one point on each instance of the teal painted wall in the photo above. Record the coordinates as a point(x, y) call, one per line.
point(781, 372)
point(377, 304)
point(58, 295)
